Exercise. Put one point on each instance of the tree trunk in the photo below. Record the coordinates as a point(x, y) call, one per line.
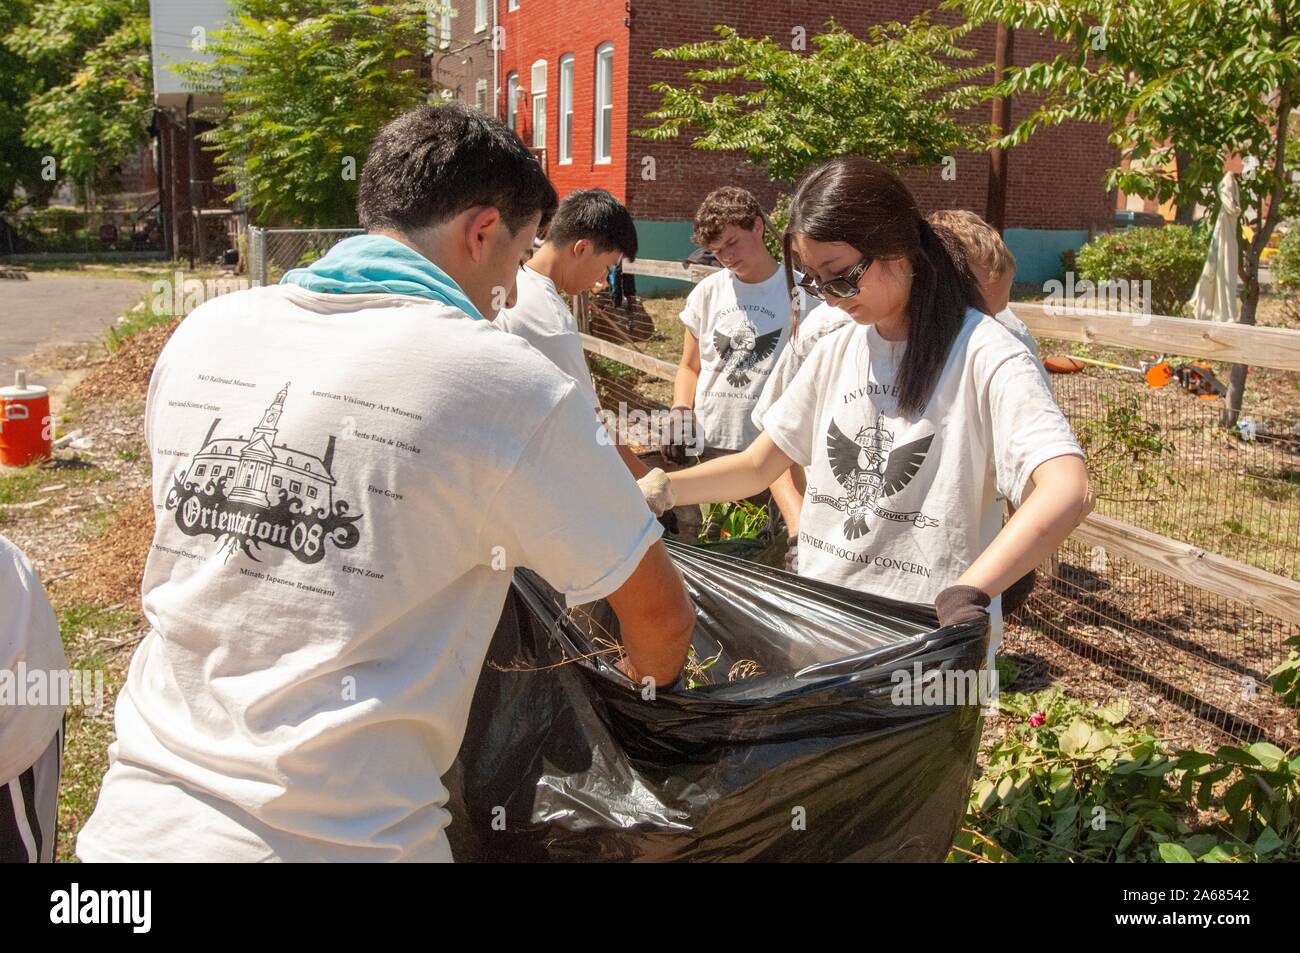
point(1237, 378)
point(1185, 210)
point(1250, 263)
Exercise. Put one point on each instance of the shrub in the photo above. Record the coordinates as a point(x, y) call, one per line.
point(1171, 258)
point(1286, 272)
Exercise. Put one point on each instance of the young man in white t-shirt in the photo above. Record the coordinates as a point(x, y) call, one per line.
point(32, 665)
point(347, 468)
point(589, 235)
point(737, 322)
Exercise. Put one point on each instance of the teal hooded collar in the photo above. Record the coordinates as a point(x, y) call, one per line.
point(377, 264)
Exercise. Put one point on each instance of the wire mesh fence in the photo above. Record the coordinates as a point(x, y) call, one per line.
point(273, 251)
point(1160, 461)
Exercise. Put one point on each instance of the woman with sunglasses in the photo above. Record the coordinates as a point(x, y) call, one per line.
point(911, 420)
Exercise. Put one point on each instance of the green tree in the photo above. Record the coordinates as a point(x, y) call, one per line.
point(894, 96)
point(89, 63)
point(1185, 85)
point(19, 161)
point(305, 85)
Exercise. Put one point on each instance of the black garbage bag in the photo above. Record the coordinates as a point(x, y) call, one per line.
point(811, 761)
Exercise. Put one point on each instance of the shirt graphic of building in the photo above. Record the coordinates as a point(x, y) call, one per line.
point(257, 471)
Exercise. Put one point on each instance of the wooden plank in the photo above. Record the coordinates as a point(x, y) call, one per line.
point(653, 366)
point(1238, 343)
point(669, 269)
point(1163, 334)
point(1275, 595)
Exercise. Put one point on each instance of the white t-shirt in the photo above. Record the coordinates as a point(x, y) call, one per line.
point(320, 616)
point(742, 328)
point(818, 323)
point(1007, 318)
point(32, 664)
point(541, 317)
point(899, 507)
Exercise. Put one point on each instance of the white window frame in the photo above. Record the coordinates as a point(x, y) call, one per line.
point(512, 102)
point(604, 100)
point(512, 4)
point(537, 90)
point(565, 144)
point(480, 15)
point(444, 29)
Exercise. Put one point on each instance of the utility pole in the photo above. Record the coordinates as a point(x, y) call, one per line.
point(995, 209)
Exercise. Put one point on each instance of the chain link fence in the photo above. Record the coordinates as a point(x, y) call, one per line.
point(273, 251)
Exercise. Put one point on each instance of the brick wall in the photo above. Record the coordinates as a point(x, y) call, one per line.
point(464, 61)
point(1055, 179)
point(547, 30)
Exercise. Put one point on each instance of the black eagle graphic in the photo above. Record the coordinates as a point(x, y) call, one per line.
point(870, 467)
point(743, 349)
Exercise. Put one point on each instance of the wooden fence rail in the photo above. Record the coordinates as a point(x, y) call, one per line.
point(1236, 343)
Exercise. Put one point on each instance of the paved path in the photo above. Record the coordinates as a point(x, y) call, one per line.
point(48, 309)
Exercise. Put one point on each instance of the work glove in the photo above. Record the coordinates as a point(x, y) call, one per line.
point(680, 433)
point(958, 604)
point(658, 491)
point(792, 554)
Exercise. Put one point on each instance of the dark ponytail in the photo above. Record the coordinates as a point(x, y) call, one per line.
point(861, 203)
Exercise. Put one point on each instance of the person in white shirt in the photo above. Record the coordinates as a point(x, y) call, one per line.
point(589, 235)
point(347, 467)
point(788, 491)
point(737, 322)
point(32, 666)
point(912, 423)
point(993, 267)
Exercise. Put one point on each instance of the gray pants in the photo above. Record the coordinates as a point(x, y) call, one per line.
point(29, 809)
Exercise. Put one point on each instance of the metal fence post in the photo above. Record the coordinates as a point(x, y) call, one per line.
point(256, 255)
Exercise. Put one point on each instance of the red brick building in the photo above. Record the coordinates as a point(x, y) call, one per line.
point(573, 78)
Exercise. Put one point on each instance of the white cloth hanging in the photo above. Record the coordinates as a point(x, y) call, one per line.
point(1216, 292)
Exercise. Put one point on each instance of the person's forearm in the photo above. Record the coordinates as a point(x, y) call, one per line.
point(655, 618)
point(1057, 504)
point(632, 461)
point(789, 499)
point(684, 386)
point(732, 477)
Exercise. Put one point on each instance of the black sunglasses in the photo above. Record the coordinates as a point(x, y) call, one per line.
point(841, 286)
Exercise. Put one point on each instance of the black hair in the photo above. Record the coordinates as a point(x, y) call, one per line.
point(594, 214)
point(858, 201)
point(432, 163)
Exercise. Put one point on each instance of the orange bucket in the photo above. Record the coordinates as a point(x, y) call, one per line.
point(26, 430)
